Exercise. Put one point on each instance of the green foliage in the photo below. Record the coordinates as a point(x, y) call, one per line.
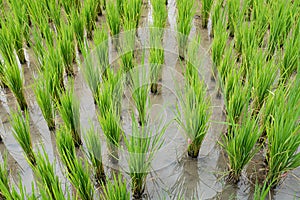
point(21, 131)
point(93, 145)
point(116, 189)
point(239, 144)
point(195, 111)
point(43, 93)
point(14, 81)
point(205, 11)
point(142, 145)
point(70, 114)
point(113, 18)
point(185, 15)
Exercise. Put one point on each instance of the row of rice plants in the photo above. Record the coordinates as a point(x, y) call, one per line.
point(156, 55)
point(259, 71)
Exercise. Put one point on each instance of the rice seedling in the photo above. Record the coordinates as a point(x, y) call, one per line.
point(217, 15)
point(205, 11)
point(260, 15)
point(139, 90)
point(93, 145)
point(69, 112)
point(4, 178)
point(53, 73)
point(126, 51)
point(92, 74)
point(224, 68)
point(101, 43)
point(142, 145)
point(239, 144)
point(261, 192)
point(20, 14)
point(6, 47)
point(54, 13)
point(43, 93)
point(237, 97)
point(89, 17)
point(159, 14)
point(115, 189)
point(67, 48)
point(263, 77)
point(120, 5)
point(77, 22)
point(156, 60)
point(186, 11)
point(195, 114)
point(278, 26)
point(218, 46)
point(132, 10)
point(69, 5)
point(234, 14)
point(283, 135)
point(47, 180)
point(113, 18)
point(21, 131)
point(77, 174)
point(36, 13)
point(14, 81)
point(290, 59)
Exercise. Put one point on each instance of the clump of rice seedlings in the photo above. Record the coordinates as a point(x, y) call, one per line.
point(233, 10)
point(218, 46)
point(77, 174)
point(205, 10)
point(290, 59)
point(239, 144)
point(14, 81)
point(21, 131)
point(6, 47)
point(238, 100)
point(38, 47)
point(93, 145)
point(54, 13)
point(278, 26)
point(259, 14)
point(132, 10)
point(92, 74)
point(159, 14)
point(101, 43)
point(77, 22)
point(283, 135)
point(53, 73)
point(115, 189)
point(113, 19)
point(4, 177)
point(21, 16)
point(18, 38)
point(109, 104)
point(156, 58)
point(67, 48)
point(45, 171)
point(217, 15)
point(69, 5)
point(89, 14)
point(225, 66)
point(126, 51)
point(263, 77)
point(142, 145)
point(185, 15)
point(139, 90)
point(195, 114)
point(261, 192)
point(43, 93)
point(69, 112)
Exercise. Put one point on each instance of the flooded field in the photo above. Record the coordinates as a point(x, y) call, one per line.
point(174, 174)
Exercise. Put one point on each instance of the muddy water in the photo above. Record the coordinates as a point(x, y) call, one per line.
point(174, 174)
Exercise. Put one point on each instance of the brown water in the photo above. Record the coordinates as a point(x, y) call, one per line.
point(173, 172)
